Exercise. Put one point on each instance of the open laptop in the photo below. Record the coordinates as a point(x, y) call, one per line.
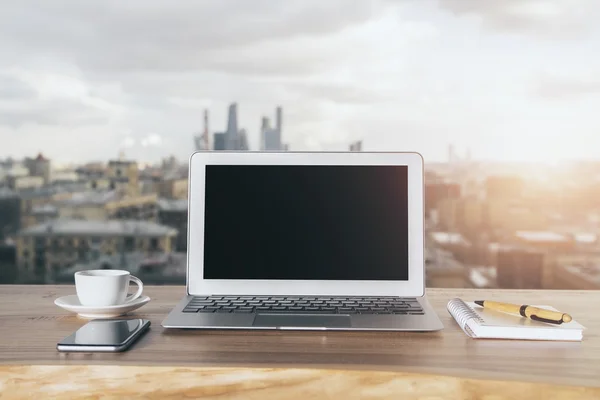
point(311, 241)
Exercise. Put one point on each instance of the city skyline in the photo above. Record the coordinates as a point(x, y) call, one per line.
point(511, 81)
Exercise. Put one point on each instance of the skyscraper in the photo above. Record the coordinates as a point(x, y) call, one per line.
point(242, 140)
point(202, 141)
point(278, 123)
point(231, 134)
point(219, 141)
point(270, 138)
point(356, 146)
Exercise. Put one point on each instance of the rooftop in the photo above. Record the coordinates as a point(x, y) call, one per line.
point(449, 238)
point(92, 197)
point(121, 162)
point(483, 277)
point(172, 205)
point(73, 227)
point(585, 238)
point(46, 191)
point(541, 236)
point(45, 209)
point(589, 272)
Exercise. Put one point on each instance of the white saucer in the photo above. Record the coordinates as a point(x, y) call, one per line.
point(71, 303)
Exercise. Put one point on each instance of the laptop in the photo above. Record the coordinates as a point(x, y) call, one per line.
point(305, 241)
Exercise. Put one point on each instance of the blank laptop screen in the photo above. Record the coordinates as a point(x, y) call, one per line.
point(306, 222)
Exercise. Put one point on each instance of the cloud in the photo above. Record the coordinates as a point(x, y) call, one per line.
point(63, 113)
point(419, 30)
point(101, 75)
point(154, 35)
point(567, 89)
point(12, 88)
point(544, 18)
point(151, 140)
point(345, 93)
point(128, 142)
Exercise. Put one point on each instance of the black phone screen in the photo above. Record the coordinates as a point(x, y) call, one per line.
point(112, 332)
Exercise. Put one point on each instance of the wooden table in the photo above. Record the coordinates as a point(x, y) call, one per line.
point(284, 365)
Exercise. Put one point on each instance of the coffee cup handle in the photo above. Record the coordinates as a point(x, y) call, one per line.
point(140, 285)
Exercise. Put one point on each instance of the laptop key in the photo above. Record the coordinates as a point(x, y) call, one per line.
point(190, 310)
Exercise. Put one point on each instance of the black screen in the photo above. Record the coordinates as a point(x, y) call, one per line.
point(306, 222)
point(104, 333)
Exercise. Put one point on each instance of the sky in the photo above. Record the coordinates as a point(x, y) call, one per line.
point(511, 80)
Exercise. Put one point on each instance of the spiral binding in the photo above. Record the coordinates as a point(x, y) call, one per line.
point(462, 312)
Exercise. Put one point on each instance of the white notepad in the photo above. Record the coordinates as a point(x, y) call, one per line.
point(478, 322)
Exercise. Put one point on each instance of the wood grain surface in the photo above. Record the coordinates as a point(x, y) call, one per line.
point(31, 325)
point(106, 382)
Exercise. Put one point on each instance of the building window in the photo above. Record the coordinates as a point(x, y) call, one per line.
point(129, 243)
point(26, 253)
point(154, 244)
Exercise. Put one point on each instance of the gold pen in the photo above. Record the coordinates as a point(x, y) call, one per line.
point(534, 313)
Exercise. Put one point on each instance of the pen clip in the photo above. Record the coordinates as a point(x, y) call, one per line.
point(549, 321)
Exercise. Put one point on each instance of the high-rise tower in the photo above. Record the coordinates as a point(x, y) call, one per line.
point(278, 123)
point(231, 135)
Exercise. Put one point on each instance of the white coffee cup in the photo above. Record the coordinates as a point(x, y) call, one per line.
point(105, 287)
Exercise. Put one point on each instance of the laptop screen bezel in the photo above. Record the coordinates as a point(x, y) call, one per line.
point(197, 285)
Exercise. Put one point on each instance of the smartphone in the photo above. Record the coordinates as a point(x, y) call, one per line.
point(105, 335)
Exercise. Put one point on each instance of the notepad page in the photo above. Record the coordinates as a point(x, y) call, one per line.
point(496, 324)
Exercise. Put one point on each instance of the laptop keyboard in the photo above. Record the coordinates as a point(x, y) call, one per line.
point(301, 304)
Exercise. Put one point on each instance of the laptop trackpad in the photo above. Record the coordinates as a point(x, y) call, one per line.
point(302, 321)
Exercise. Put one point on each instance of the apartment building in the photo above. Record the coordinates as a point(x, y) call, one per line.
point(48, 248)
